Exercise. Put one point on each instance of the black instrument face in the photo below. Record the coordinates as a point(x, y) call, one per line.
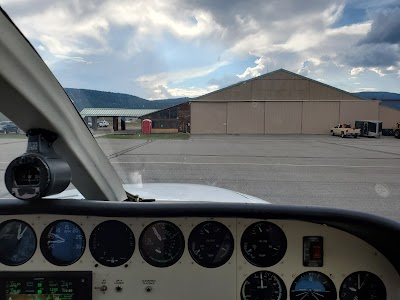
point(263, 285)
point(62, 242)
point(313, 286)
point(211, 244)
point(27, 175)
point(362, 285)
point(263, 244)
point(112, 243)
point(17, 242)
point(161, 244)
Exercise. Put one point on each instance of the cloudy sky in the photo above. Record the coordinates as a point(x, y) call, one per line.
point(157, 49)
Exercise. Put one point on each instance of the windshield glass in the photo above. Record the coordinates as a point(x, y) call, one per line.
point(290, 102)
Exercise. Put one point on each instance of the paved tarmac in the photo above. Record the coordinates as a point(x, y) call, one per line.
point(361, 174)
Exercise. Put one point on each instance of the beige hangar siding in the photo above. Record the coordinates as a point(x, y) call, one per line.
point(350, 111)
point(283, 117)
point(284, 89)
point(245, 118)
point(208, 118)
point(322, 92)
point(389, 117)
point(235, 93)
point(319, 117)
point(290, 103)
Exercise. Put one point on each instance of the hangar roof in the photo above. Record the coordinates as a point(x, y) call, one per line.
point(279, 85)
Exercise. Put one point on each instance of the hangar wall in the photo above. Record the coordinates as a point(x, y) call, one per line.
point(389, 116)
point(361, 110)
point(284, 117)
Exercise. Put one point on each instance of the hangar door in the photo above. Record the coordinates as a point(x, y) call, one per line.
point(208, 118)
point(245, 117)
point(283, 117)
point(319, 117)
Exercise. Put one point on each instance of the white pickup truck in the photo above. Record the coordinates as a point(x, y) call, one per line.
point(345, 130)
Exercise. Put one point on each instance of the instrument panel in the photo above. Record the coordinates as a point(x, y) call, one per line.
point(198, 258)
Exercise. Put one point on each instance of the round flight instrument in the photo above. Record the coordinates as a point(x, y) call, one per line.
point(211, 244)
point(161, 244)
point(263, 285)
point(263, 244)
point(313, 286)
point(62, 242)
point(17, 242)
point(362, 285)
point(112, 243)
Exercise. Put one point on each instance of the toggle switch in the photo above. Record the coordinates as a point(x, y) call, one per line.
point(313, 254)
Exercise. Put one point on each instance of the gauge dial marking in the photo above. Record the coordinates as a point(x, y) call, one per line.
point(112, 243)
point(17, 242)
point(362, 285)
point(312, 286)
point(263, 244)
point(263, 285)
point(62, 242)
point(211, 244)
point(161, 244)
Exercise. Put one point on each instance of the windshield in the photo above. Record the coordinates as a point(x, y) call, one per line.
point(288, 101)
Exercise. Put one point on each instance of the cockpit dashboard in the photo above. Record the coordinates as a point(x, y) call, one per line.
point(80, 250)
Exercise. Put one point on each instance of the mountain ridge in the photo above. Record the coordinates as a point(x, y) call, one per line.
point(388, 99)
point(379, 95)
point(86, 98)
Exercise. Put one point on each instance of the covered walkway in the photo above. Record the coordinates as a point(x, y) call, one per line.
point(114, 113)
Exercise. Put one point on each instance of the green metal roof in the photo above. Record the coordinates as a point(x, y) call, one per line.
point(115, 112)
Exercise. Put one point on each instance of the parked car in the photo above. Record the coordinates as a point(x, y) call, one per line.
point(345, 130)
point(103, 123)
point(8, 127)
point(100, 123)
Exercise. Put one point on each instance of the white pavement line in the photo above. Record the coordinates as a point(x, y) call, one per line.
point(251, 164)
